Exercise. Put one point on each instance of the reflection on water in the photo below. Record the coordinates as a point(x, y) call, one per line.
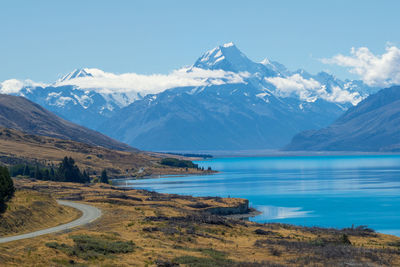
point(274, 213)
point(330, 191)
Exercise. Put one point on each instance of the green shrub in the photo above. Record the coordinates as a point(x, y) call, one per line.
point(92, 247)
point(215, 258)
point(203, 262)
point(179, 163)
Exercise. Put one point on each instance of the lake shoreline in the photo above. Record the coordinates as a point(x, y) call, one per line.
point(338, 190)
point(179, 227)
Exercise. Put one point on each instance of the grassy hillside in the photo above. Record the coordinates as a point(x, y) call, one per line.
point(29, 211)
point(19, 113)
point(141, 228)
point(17, 147)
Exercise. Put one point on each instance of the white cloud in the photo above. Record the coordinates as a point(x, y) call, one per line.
point(374, 70)
point(295, 84)
point(340, 95)
point(14, 86)
point(310, 90)
point(105, 82)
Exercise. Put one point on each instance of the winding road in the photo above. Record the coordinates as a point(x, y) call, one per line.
point(89, 214)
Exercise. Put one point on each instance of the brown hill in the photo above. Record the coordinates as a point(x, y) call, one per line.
point(21, 114)
point(19, 148)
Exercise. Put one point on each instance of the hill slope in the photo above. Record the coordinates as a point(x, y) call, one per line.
point(20, 148)
point(21, 114)
point(372, 125)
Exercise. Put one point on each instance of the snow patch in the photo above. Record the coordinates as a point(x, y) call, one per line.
point(263, 97)
point(230, 44)
point(62, 101)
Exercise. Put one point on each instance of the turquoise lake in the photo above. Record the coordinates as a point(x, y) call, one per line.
point(327, 191)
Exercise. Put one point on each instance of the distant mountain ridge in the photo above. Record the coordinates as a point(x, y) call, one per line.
point(248, 114)
point(21, 114)
point(372, 125)
point(234, 103)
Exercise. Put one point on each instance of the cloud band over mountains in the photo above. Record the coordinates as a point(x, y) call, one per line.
point(375, 70)
point(310, 90)
point(105, 82)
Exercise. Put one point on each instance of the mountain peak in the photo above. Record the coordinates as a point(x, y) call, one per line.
point(227, 57)
point(76, 73)
point(265, 61)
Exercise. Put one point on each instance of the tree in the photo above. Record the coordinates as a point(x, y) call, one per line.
point(6, 187)
point(178, 163)
point(104, 177)
point(69, 172)
point(86, 177)
point(38, 173)
point(16, 170)
point(52, 174)
point(46, 174)
point(27, 171)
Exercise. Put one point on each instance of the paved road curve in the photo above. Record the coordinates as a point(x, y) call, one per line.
point(89, 214)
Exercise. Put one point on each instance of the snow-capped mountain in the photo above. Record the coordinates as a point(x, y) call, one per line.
point(263, 110)
point(223, 101)
point(85, 106)
point(77, 73)
point(229, 58)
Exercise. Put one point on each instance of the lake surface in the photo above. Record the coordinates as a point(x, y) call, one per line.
point(327, 191)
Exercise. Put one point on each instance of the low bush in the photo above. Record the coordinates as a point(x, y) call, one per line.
point(92, 247)
point(214, 258)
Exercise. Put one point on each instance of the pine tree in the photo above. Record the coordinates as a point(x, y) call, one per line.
point(85, 177)
point(104, 177)
point(38, 173)
point(52, 174)
point(6, 187)
point(46, 174)
point(27, 171)
point(68, 171)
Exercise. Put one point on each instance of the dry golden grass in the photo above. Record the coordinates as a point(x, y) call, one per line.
point(29, 211)
point(18, 147)
point(172, 229)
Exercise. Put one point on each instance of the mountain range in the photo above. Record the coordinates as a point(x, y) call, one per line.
point(224, 101)
point(372, 125)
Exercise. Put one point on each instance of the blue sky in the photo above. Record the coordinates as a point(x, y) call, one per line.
point(42, 39)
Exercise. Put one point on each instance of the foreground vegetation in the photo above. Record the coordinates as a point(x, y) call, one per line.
point(6, 188)
point(142, 228)
point(93, 246)
point(29, 211)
